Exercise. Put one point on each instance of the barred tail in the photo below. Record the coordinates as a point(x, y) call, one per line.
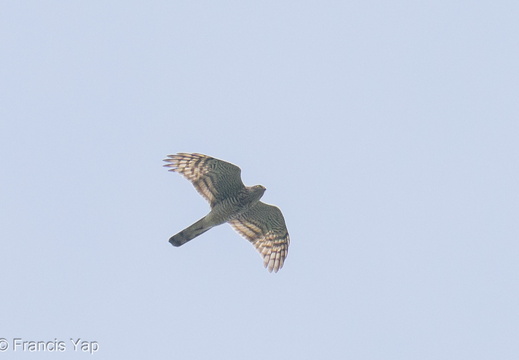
point(190, 233)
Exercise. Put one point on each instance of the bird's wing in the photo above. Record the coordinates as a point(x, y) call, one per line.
point(264, 226)
point(214, 179)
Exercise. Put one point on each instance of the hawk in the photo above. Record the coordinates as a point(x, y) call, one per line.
point(219, 182)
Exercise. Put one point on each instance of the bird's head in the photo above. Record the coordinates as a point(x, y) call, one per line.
point(257, 191)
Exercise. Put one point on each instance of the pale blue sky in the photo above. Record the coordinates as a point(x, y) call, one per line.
point(387, 133)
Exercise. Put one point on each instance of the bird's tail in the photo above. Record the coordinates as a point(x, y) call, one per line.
point(190, 233)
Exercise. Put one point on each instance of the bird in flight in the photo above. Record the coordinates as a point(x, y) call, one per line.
point(219, 182)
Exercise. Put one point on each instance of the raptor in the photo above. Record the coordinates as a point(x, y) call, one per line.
point(219, 182)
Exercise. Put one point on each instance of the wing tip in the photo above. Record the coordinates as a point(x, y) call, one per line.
point(274, 262)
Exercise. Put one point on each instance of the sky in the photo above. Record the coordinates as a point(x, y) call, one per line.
point(386, 132)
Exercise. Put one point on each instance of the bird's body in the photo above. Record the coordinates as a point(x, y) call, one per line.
point(231, 201)
point(222, 211)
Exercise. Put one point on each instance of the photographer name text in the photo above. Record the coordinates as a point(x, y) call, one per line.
point(22, 345)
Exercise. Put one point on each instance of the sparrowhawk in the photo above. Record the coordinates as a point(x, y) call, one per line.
point(219, 182)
